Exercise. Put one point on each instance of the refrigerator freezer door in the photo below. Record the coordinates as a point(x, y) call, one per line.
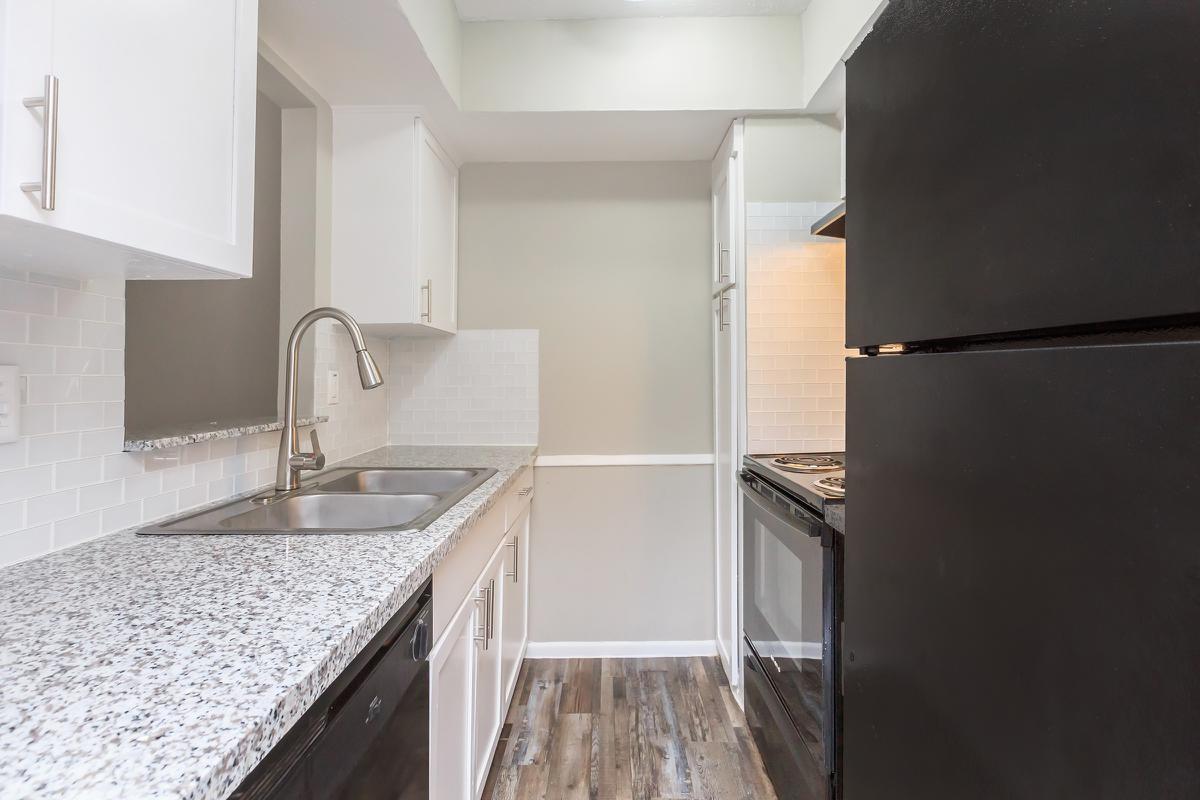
point(1022, 165)
point(1022, 567)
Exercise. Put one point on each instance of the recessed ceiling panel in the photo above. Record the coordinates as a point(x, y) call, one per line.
point(496, 10)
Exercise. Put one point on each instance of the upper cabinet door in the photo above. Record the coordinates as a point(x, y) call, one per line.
point(395, 222)
point(437, 232)
point(1022, 165)
point(154, 153)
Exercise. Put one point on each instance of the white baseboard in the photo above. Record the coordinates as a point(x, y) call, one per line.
point(683, 649)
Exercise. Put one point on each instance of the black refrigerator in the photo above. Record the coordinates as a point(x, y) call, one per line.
point(1022, 549)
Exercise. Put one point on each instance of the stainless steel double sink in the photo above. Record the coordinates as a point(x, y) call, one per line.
point(343, 500)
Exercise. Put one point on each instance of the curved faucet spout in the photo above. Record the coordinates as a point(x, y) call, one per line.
point(291, 461)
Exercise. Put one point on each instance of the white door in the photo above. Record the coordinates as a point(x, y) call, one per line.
point(452, 707)
point(489, 709)
point(728, 273)
point(437, 232)
point(515, 625)
point(155, 146)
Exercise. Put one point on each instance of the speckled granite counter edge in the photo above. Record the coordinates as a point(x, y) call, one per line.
point(195, 437)
point(228, 774)
point(835, 515)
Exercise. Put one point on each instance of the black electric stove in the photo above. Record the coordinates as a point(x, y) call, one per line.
point(818, 479)
point(791, 617)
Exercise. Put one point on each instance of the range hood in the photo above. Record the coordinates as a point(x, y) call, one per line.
point(833, 223)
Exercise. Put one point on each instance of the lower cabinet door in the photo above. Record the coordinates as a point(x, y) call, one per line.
point(489, 708)
point(515, 628)
point(452, 708)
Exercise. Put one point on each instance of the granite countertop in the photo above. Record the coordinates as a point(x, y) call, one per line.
point(179, 435)
point(167, 666)
point(835, 515)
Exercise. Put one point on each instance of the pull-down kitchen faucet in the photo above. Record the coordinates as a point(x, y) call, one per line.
point(291, 461)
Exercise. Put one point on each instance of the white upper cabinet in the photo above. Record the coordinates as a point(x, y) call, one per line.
point(395, 222)
point(141, 163)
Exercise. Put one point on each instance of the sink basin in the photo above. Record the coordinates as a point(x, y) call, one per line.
point(334, 512)
point(343, 500)
point(397, 481)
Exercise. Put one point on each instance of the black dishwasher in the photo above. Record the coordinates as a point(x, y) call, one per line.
point(367, 736)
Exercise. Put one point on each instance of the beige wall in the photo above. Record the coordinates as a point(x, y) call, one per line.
point(610, 263)
point(793, 158)
point(622, 554)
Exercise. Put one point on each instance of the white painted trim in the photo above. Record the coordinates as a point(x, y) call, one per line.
point(620, 649)
point(635, 460)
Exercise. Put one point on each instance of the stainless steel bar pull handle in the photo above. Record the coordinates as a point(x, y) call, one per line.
point(48, 102)
point(515, 544)
point(491, 609)
point(723, 311)
point(427, 295)
point(481, 633)
point(722, 260)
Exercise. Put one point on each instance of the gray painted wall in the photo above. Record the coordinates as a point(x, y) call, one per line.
point(208, 350)
point(611, 263)
point(789, 159)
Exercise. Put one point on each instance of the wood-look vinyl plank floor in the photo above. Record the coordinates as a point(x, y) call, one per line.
point(625, 729)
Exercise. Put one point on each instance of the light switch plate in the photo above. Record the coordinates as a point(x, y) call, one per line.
point(334, 391)
point(10, 404)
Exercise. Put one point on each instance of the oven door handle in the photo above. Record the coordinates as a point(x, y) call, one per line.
point(792, 516)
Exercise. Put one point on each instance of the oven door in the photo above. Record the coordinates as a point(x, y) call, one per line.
point(789, 618)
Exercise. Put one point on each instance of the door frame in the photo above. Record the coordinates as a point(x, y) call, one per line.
point(728, 164)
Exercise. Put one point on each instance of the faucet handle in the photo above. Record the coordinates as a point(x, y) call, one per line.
point(318, 457)
point(313, 460)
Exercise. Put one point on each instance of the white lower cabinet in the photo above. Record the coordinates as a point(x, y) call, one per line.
point(452, 707)
point(489, 706)
point(476, 660)
point(514, 627)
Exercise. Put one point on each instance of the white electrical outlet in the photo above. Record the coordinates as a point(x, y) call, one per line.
point(10, 404)
point(334, 391)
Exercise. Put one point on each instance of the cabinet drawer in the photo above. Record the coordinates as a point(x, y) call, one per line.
point(518, 497)
point(455, 577)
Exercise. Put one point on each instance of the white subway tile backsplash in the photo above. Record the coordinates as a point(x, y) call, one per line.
point(101, 495)
point(26, 298)
point(107, 335)
point(13, 327)
point(12, 517)
point(31, 358)
point(78, 473)
point(76, 529)
point(26, 543)
point(79, 361)
point(88, 417)
point(120, 517)
point(18, 484)
point(141, 486)
point(795, 331)
point(81, 305)
point(53, 448)
point(53, 330)
point(51, 507)
point(479, 387)
point(67, 480)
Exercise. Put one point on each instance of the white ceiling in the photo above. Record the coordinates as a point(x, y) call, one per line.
point(334, 51)
point(496, 10)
